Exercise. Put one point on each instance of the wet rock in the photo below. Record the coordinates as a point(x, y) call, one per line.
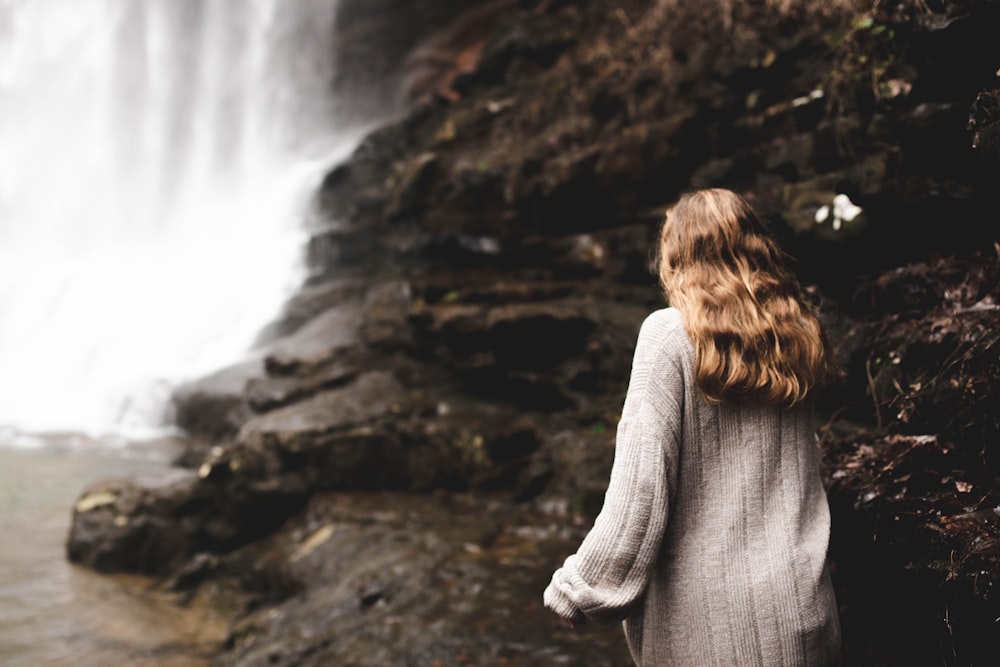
point(194, 572)
point(369, 396)
point(518, 336)
point(329, 335)
point(339, 250)
point(266, 393)
point(153, 526)
point(330, 439)
point(415, 177)
point(214, 407)
point(509, 349)
point(397, 579)
point(312, 299)
point(386, 311)
point(125, 526)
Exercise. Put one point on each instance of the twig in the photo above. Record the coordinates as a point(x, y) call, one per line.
point(871, 388)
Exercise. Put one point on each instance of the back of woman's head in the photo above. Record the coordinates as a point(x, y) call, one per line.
point(754, 336)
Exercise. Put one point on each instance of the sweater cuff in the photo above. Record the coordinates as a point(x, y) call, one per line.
point(558, 602)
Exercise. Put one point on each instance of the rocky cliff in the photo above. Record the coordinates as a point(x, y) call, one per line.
point(426, 430)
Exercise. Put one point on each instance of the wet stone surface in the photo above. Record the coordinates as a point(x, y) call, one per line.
point(402, 579)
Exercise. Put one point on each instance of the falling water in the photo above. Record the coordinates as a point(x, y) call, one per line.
point(156, 160)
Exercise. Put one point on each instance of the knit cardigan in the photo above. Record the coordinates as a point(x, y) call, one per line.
point(712, 541)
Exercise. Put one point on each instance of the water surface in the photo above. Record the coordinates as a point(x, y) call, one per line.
point(54, 613)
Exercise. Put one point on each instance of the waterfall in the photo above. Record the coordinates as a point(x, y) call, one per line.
point(156, 162)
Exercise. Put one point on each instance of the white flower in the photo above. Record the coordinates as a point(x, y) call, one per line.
point(844, 208)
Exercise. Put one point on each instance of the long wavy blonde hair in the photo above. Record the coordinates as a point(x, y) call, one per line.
point(754, 335)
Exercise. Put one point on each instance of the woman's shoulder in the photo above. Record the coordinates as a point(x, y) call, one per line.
point(663, 330)
point(665, 322)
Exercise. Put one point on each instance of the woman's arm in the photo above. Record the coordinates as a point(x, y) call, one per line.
point(607, 575)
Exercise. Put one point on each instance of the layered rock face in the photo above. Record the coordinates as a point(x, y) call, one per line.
point(480, 274)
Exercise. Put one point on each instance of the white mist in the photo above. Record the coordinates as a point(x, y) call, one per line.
point(157, 158)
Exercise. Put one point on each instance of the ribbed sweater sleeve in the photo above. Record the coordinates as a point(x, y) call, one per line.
point(608, 574)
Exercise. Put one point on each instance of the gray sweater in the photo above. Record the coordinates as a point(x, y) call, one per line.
point(712, 541)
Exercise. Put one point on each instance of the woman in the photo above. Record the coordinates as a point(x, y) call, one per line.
point(712, 541)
